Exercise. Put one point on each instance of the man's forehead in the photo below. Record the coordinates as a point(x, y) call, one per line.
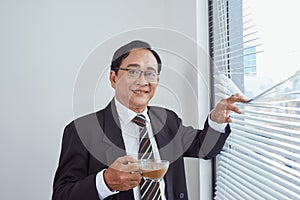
point(136, 65)
point(141, 56)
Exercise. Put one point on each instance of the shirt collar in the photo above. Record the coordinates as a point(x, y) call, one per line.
point(126, 115)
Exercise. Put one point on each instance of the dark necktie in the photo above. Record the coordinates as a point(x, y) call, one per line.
point(149, 189)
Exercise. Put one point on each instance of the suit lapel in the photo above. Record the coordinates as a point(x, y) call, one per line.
point(112, 134)
point(158, 119)
point(113, 137)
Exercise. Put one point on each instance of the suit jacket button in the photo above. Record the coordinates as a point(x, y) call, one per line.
point(181, 195)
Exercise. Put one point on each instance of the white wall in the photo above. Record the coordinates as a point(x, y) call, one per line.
point(44, 46)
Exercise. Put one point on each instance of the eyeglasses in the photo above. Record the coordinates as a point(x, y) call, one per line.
point(136, 73)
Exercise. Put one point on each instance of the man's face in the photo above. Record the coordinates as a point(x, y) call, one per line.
point(135, 93)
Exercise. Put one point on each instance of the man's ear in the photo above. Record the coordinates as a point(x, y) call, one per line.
point(112, 78)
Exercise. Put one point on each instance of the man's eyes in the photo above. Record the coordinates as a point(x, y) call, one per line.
point(134, 71)
point(150, 74)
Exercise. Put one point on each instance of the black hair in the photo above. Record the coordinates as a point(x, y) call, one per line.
point(124, 51)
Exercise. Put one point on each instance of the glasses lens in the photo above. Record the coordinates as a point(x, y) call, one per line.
point(149, 76)
point(134, 73)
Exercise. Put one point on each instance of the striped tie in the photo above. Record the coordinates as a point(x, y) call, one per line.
point(149, 189)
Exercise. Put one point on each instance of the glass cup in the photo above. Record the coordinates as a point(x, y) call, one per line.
point(153, 170)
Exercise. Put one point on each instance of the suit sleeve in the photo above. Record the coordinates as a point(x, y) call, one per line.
point(206, 143)
point(72, 181)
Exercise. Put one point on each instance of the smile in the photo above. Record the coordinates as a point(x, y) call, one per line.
point(139, 91)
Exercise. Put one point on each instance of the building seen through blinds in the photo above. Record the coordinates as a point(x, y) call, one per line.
point(261, 158)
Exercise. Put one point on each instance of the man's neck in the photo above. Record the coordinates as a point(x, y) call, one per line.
point(137, 110)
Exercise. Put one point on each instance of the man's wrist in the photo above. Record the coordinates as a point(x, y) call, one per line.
point(103, 190)
point(104, 179)
point(216, 126)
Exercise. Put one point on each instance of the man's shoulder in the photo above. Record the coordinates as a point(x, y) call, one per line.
point(162, 113)
point(160, 109)
point(89, 119)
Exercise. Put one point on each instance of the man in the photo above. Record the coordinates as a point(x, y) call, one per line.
point(99, 150)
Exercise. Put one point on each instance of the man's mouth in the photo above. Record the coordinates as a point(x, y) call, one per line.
point(139, 91)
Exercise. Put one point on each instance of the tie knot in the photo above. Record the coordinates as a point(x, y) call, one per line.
point(140, 120)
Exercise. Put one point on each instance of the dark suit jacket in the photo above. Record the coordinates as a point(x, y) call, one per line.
point(91, 143)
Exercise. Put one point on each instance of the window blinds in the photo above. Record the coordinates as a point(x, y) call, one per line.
point(261, 158)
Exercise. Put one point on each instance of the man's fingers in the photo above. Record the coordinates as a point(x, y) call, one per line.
point(135, 177)
point(125, 164)
point(228, 119)
point(120, 180)
point(130, 167)
point(221, 112)
point(233, 108)
point(236, 98)
point(125, 159)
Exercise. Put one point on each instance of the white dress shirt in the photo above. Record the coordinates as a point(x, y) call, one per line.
point(130, 133)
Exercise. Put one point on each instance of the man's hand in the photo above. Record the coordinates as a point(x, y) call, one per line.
point(221, 112)
point(123, 174)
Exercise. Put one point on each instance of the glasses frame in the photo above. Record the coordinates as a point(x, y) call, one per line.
point(140, 73)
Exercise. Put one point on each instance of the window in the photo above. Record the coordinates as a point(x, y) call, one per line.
point(261, 158)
